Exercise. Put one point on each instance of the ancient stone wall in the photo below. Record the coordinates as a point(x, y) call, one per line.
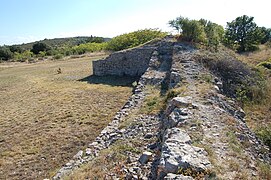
point(133, 62)
point(168, 139)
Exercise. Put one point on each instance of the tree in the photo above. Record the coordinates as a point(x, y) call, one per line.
point(214, 33)
point(266, 34)
point(16, 48)
point(191, 30)
point(243, 34)
point(177, 23)
point(37, 47)
point(5, 53)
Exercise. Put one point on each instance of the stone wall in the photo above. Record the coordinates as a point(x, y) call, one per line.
point(132, 62)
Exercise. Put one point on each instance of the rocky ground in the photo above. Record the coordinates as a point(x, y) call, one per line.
point(198, 133)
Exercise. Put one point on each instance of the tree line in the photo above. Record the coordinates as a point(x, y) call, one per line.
point(242, 34)
point(42, 49)
point(46, 47)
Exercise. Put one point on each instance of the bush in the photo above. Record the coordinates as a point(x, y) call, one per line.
point(193, 31)
point(239, 81)
point(16, 48)
point(88, 47)
point(214, 33)
point(264, 134)
point(58, 56)
point(37, 47)
point(133, 39)
point(5, 53)
point(201, 31)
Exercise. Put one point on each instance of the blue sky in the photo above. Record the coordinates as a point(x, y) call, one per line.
point(24, 21)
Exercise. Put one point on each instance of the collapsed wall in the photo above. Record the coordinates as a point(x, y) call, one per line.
point(132, 62)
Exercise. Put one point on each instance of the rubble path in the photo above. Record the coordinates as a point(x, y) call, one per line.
point(221, 144)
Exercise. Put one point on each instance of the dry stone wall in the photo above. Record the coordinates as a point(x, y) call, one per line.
point(133, 62)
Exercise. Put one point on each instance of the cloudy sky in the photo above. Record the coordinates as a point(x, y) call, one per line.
point(24, 21)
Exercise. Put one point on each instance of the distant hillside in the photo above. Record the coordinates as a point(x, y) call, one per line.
point(70, 41)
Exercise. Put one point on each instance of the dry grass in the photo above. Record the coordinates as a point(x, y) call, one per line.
point(110, 161)
point(259, 114)
point(254, 58)
point(47, 117)
point(154, 101)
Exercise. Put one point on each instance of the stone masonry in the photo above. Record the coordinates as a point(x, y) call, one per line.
point(132, 62)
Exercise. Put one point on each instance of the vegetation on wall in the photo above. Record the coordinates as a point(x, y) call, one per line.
point(198, 31)
point(133, 39)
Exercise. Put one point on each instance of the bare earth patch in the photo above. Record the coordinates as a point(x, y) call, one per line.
point(45, 117)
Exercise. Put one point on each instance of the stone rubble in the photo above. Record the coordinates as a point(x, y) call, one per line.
point(145, 157)
point(178, 153)
point(171, 176)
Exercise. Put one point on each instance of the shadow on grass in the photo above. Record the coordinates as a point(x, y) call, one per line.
point(126, 81)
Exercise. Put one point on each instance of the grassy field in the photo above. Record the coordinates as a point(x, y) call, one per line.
point(46, 117)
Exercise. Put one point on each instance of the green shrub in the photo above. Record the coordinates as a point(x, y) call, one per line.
point(40, 46)
point(264, 134)
point(133, 39)
point(5, 53)
point(89, 47)
point(239, 80)
point(193, 31)
point(200, 31)
point(24, 56)
point(58, 56)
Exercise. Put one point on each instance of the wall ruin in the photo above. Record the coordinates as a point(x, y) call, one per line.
point(132, 62)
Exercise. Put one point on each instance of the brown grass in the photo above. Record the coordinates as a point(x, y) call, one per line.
point(154, 101)
point(254, 58)
point(47, 117)
point(259, 114)
point(110, 161)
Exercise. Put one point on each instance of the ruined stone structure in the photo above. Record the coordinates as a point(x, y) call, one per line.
point(133, 62)
point(168, 141)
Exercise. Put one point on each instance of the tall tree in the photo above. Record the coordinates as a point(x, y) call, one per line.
point(243, 34)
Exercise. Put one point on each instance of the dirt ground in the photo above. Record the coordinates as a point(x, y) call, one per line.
point(46, 117)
